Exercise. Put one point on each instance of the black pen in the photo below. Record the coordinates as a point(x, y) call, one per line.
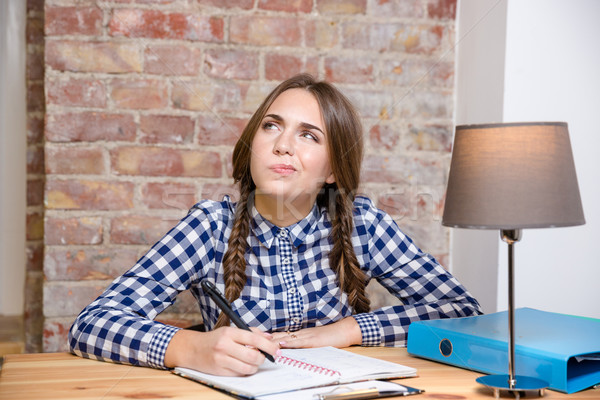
point(223, 304)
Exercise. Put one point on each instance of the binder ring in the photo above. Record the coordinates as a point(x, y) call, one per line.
point(446, 347)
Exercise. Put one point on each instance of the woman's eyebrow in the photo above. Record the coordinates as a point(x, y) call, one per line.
point(306, 125)
point(276, 117)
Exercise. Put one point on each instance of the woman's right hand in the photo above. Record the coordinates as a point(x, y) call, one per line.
point(226, 351)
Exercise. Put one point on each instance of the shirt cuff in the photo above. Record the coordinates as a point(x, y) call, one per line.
point(158, 346)
point(369, 327)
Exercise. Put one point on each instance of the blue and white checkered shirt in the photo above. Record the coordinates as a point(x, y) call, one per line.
point(290, 284)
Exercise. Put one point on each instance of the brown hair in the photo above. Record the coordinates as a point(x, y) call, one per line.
point(345, 142)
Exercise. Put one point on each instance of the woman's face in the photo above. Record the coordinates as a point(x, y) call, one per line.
point(290, 157)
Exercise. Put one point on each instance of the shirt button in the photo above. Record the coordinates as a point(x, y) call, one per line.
point(285, 260)
point(292, 290)
point(296, 320)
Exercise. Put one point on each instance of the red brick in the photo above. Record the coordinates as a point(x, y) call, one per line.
point(395, 204)
point(442, 9)
point(171, 59)
point(384, 169)
point(63, 231)
point(73, 21)
point(156, 161)
point(398, 8)
point(88, 195)
point(160, 25)
point(55, 335)
point(425, 104)
point(303, 6)
point(87, 263)
point(35, 192)
point(68, 299)
point(395, 169)
point(413, 202)
point(108, 57)
point(252, 96)
point(142, 229)
point(412, 72)
point(89, 127)
point(430, 137)
point(279, 67)
point(166, 129)
point(215, 130)
point(34, 30)
point(35, 6)
point(35, 159)
point(76, 92)
point(372, 103)
point(266, 31)
point(322, 34)
point(216, 96)
point(35, 226)
point(408, 38)
point(216, 191)
point(139, 94)
point(227, 4)
point(153, 2)
point(35, 129)
point(35, 63)
point(229, 164)
point(384, 136)
point(349, 70)
point(35, 256)
point(158, 195)
point(74, 160)
point(33, 314)
point(342, 6)
point(35, 97)
point(231, 64)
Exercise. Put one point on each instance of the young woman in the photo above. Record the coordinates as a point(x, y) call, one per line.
point(293, 255)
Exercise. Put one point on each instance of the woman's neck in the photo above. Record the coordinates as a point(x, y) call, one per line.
point(283, 212)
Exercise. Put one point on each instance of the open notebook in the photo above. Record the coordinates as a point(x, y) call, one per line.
point(298, 369)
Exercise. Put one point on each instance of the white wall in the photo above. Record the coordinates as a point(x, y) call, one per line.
point(13, 136)
point(549, 54)
point(552, 73)
point(481, 31)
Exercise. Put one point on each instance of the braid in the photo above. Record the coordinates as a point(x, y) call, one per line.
point(343, 259)
point(234, 260)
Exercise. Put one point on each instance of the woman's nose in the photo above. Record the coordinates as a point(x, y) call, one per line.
point(284, 144)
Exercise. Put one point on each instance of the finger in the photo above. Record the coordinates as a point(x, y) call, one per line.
point(257, 340)
point(234, 366)
point(265, 334)
point(279, 335)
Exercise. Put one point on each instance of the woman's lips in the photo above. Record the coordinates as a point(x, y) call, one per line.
point(283, 169)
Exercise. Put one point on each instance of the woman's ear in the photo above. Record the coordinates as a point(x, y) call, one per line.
point(330, 179)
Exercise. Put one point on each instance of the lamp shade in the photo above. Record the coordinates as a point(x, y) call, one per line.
point(512, 176)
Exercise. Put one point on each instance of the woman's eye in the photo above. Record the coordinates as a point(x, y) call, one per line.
point(310, 135)
point(269, 126)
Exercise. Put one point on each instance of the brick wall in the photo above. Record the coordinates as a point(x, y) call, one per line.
point(34, 75)
point(144, 100)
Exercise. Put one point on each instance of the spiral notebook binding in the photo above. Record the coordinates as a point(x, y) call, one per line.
point(292, 362)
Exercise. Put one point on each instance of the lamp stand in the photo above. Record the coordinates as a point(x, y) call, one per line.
point(512, 383)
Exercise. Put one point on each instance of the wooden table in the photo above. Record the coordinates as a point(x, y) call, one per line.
point(64, 376)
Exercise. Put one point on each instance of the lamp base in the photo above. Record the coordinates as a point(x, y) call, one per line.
point(523, 385)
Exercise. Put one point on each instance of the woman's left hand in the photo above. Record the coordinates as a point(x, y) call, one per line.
point(342, 333)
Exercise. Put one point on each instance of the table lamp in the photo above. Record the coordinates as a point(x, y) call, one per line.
point(511, 176)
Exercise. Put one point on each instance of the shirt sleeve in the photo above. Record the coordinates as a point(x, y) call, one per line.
point(119, 325)
point(425, 288)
